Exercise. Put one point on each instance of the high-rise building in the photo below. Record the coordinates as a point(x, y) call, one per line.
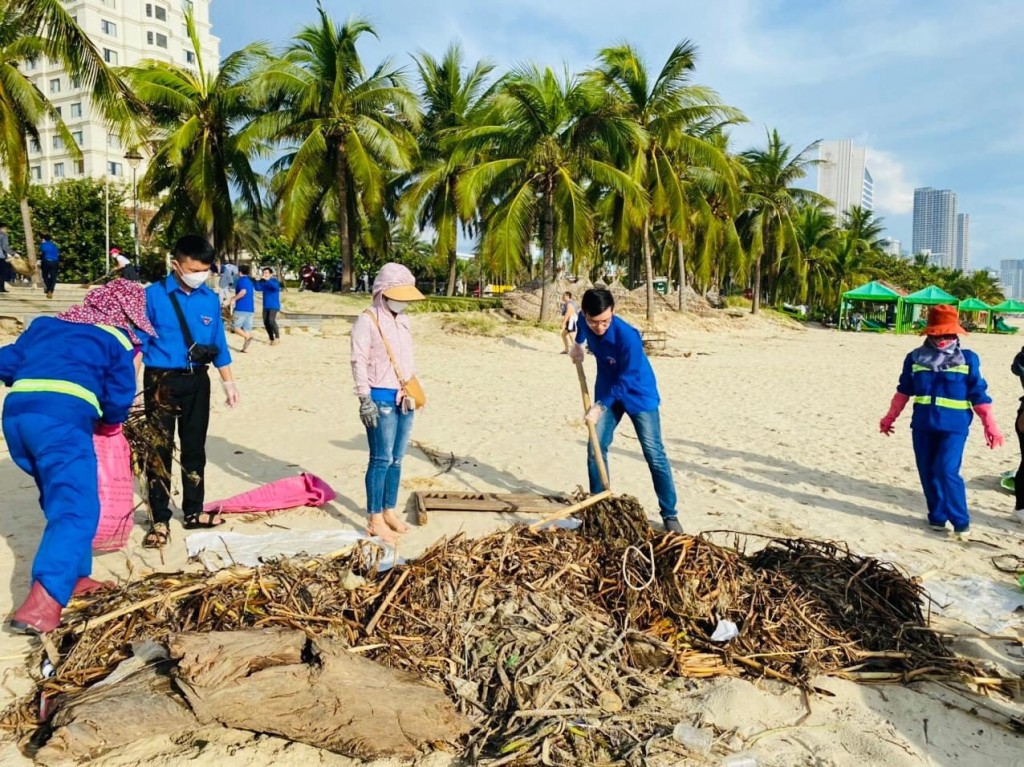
point(962, 261)
point(1011, 277)
point(891, 246)
point(843, 176)
point(935, 224)
point(125, 32)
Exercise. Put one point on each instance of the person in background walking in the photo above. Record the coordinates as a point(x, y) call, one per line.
point(70, 376)
point(625, 386)
point(6, 273)
point(945, 382)
point(123, 266)
point(244, 305)
point(570, 314)
point(176, 384)
point(271, 290)
point(226, 286)
point(50, 255)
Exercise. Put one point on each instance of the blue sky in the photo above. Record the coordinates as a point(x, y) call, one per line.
point(933, 89)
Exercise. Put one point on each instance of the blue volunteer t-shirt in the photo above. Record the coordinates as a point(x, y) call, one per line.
point(624, 374)
point(246, 303)
point(49, 250)
point(271, 290)
point(201, 308)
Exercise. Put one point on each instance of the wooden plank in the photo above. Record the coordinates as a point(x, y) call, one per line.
point(421, 510)
point(526, 503)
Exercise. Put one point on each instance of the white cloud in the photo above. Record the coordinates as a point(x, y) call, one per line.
point(894, 192)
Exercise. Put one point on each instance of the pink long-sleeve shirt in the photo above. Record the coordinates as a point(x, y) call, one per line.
point(371, 366)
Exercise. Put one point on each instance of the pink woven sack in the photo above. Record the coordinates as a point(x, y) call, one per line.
point(117, 492)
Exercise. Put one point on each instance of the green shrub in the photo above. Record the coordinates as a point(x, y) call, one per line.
point(452, 304)
point(474, 325)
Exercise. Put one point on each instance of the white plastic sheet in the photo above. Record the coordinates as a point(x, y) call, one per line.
point(218, 550)
point(984, 603)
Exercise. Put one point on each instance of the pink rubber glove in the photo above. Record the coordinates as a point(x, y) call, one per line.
point(899, 401)
point(107, 429)
point(993, 437)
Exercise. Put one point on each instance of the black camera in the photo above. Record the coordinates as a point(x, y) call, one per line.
point(202, 354)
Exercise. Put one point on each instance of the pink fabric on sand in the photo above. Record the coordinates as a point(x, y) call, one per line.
point(289, 493)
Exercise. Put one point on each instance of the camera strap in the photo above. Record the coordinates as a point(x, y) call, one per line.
point(189, 343)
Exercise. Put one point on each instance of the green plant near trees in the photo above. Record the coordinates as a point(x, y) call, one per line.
point(73, 212)
point(543, 141)
point(29, 31)
point(344, 131)
point(205, 142)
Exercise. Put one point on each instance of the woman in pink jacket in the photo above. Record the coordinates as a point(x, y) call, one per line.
point(382, 360)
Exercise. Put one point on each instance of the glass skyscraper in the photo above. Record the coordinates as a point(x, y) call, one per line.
point(935, 224)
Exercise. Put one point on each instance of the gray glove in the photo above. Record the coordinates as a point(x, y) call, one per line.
point(368, 412)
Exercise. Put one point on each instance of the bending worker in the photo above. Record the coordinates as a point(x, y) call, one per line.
point(69, 376)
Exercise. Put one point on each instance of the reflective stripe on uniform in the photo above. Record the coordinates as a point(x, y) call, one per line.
point(952, 404)
point(118, 335)
point(53, 386)
point(963, 369)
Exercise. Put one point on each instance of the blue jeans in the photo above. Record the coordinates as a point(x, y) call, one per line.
point(388, 441)
point(648, 431)
point(938, 455)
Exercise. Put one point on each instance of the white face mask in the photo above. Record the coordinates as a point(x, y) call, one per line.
point(194, 279)
point(397, 306)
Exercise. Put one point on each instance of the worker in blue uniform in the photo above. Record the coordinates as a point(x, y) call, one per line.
point(945, 383)
point(187, 317)
point(69, 376)
point(625, 385)
point(271, 290)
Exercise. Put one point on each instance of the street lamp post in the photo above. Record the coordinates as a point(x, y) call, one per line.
point(134, 158)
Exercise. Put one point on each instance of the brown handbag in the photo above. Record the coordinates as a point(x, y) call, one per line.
point(411, 386)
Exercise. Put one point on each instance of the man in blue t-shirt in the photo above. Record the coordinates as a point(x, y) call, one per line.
point(49, 256)
point(625, 386)
point(271, 290)
point(244, 305)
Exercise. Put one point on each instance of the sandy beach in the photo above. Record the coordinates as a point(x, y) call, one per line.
point(771, 428)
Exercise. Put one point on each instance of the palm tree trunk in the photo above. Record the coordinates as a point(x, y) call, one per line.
point(682, 272)
point(344, 235)
point(547, 293)
point(453, 259)
point(30, 240)
point(648, 269)
point(755, 302)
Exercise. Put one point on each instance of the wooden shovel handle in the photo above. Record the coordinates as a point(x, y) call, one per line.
point(595, 444)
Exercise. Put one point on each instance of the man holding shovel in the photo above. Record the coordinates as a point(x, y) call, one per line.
point(625, 386)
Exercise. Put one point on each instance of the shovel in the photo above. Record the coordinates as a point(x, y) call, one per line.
point(595, 445)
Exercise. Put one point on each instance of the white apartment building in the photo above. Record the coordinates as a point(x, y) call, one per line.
point(125, 32)
point(843, 176)
point(935, 224)
point(962, 260)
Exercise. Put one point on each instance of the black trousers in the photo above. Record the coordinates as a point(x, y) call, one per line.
point(1019, 481)
point(5, 273)
point(49, 270)
point(270, 323)
point(182, 398)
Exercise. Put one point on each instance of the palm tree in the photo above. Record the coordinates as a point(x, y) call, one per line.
point(29, 30)
point(768, 223)
point(345, 130)
point(205, 144)
point(544, 140)
point(454, 99)
point(816, 238)
point(672, 114)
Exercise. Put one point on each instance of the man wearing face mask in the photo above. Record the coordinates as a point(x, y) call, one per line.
point(187, 316)
point(385, 376)
point(945, 383)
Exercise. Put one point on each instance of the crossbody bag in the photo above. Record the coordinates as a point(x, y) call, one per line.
point(411, 386)
point(198, 354)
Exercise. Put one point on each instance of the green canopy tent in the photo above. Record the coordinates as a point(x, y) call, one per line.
point(933, 295)
point(875, 292)
point(976, 306)
point(1009, 306)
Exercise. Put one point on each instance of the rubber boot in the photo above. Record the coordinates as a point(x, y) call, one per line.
point(88, 585)
point(38, 614)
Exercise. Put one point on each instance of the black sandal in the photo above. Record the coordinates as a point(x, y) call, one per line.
point(213, 519)
point(157, 536)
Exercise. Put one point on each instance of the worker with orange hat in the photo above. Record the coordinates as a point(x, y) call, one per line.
point(945, 383)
